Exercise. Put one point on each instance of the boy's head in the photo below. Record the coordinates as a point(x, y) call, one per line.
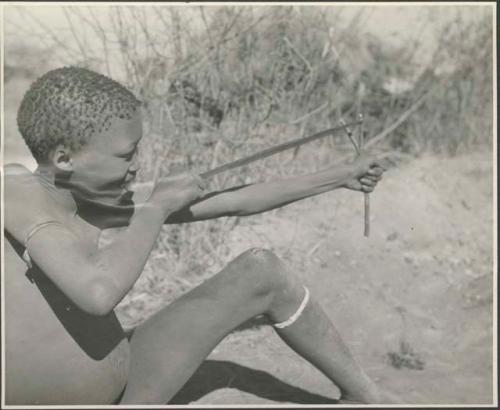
point(86, 128)
point(68, 106)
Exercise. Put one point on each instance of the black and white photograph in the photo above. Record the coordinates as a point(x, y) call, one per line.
point(236, 204)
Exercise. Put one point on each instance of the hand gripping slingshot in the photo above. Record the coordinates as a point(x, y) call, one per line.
point(300, 141)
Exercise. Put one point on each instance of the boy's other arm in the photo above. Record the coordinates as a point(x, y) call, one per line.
point(96, 280)
point(261, 197)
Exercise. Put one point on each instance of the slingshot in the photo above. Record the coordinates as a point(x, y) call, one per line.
point(278, 148)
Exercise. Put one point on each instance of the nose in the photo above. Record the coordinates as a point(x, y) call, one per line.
point(135, 166)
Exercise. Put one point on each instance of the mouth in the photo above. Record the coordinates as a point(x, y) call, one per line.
point(127, 183)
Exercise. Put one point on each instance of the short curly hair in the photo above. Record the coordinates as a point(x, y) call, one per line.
point(69, 106)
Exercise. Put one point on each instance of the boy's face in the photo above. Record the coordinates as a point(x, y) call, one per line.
point(105, 167)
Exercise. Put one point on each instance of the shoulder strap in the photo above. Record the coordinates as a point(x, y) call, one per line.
point(26, 257)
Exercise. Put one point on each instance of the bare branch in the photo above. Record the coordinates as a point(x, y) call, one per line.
point(400, 120)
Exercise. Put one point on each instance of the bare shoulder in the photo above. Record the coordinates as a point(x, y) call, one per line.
point(26, 203)
point(15, 169)
point(19, 181)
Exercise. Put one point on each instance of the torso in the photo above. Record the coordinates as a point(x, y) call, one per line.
point(55, 353)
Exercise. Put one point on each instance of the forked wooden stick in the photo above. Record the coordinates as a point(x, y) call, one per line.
point(366, 194)
point(357, 147)
point(274, 150)
point(361, 91)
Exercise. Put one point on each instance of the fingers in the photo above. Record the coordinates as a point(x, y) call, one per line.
point(375, 172)
point(369, 182)
point(379, 165)
point(370, 170)
point(371, 164)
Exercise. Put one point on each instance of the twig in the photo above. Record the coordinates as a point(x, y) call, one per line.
point(104, 40)
point(304, 60)
point(75, 36)
point(400, 120)
point(315, 247)
point(56, 39)
point(149, 40)
point(229, 26)
point(315, 111)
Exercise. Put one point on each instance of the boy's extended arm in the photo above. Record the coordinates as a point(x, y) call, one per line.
point(261, 197)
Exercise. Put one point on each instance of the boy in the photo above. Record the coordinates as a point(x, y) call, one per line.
point(64, 344)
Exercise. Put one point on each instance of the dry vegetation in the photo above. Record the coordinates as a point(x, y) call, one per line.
point(245, 78)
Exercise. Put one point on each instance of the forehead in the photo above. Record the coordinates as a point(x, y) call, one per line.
point(122, 135)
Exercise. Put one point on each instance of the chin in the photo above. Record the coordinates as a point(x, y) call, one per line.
point(114, 200)
point(117, 200)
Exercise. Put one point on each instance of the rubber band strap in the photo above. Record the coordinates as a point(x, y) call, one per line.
point(296, 315)
point(26, 257)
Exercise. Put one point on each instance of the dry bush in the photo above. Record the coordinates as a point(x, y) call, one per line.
point(221, 82)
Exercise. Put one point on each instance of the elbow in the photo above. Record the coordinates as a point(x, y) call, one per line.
point(101, 299)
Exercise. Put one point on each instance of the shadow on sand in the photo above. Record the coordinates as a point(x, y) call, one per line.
point(217, 374)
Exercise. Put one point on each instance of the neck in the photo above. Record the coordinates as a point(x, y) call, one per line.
point(47, 178)
point(46, 173)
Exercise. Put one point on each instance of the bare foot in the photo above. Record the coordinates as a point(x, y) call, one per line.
point(343, 400)
point(389, 398)
point(380, 397)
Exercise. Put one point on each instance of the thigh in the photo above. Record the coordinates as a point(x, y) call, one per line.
point(169, 347)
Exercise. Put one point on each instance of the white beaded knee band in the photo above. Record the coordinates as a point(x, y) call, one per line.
point(296, 315)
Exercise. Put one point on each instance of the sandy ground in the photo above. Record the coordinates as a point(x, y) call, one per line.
point(414, 300)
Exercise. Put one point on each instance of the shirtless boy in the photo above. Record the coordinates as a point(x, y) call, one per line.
point(64, 344)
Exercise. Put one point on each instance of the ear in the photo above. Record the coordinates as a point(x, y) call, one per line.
point(62, 158)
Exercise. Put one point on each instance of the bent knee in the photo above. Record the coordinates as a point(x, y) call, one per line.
point(260, 260)
point(260, 256)
point(264, 271)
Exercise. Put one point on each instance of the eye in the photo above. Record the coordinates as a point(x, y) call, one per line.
point(129, 155)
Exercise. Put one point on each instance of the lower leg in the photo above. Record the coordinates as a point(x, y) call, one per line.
point(314, 337)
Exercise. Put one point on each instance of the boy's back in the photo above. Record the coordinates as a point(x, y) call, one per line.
point(50, 343)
